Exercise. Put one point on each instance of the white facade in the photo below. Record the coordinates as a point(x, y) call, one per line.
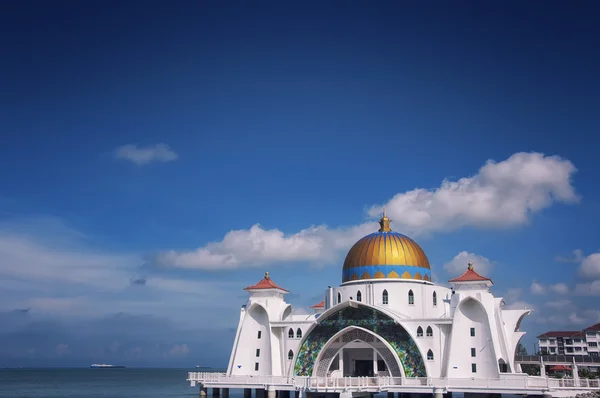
point(459, 332)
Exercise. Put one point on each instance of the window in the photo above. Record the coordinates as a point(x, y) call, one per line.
point(474, 368)
point(291, 333)
point(473, 352)
point(384, 298)
point(419, 331)
point(256, 366)
point(430, 355)
point(299, 333)
point(290, 355)
point(339, 298)
point(359, 296)
point(429, 331)
point(411, 297)
point(592, 344)
point(258, 352)
point(434, 299)
point(472, 332)
point(259, 334)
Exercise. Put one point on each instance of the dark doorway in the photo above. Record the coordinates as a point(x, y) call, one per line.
point(363, 368)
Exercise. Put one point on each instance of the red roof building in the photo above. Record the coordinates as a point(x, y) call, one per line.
point(266, 283)
point(563, 333)
point(318, 306)
point(593, 328)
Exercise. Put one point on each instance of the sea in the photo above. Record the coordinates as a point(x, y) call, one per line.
point(108, 383)
point(96, 383)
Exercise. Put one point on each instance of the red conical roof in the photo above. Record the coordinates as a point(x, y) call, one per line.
point(470, 276)
point(266, 283)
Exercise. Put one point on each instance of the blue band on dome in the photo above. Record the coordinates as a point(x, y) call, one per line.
point(386, 272)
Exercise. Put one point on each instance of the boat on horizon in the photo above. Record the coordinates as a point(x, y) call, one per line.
point(103, 365)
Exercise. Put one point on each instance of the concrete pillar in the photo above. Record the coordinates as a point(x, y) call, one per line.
point(271, 393)
point(437, 393)
point(203, 392)
point(374, 363)
point(247, 393)
point(215, 392)
point(225, 392)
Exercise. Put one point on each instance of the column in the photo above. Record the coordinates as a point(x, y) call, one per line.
point(271, 393)
point(225, 392)
point(341, 361)
point(247, 393)
point(437, 393)
point(202, 392)
point(374, 362)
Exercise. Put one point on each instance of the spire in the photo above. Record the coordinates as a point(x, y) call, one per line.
point(470, 266)
point(384, 223)
point(267, 275)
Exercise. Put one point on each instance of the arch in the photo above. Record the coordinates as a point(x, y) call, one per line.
point(339, 297)
point(503, 367)
point(290, 355)
point(352, 333)
point(358, 296)
point(434, 299)
point(287, 312)
point(430, 355)
point(429, 331)
point(291, 333)
point(411, 297)
point(419, 331)
point(384, 297)
point(365, 316)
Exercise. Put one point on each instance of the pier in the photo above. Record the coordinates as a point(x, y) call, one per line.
point(519, 384)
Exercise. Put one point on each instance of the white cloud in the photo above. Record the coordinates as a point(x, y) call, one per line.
point(500, 195)
point(559, 305)
point(590, 266)
point(145, 155)
point(459, 264)
point(539, 289)
point(575, 257)
point(588, 289)
point(559, 288)
point(257, 246)
point(179, 350)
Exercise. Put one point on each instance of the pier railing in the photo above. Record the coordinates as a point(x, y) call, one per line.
point(504, 382)
point(549, 359)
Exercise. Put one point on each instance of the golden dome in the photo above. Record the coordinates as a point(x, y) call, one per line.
point(386, 254)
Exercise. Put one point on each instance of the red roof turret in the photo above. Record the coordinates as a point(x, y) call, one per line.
point(319, 305)
point(470, 276)
point(266, 283)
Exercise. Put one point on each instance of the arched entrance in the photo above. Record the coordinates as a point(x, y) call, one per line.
point(357, 352)
point(361, 316)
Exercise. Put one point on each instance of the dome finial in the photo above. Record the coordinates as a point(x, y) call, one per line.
point(267, 275)
point(384, 223)
point(470, 266)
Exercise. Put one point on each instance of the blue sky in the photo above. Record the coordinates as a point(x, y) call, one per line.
point(156, 159)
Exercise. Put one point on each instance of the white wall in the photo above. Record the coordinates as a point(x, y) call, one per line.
point(470, 313)
point(255, 320)
point(372, 293)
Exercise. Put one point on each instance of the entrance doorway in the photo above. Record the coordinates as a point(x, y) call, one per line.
point(363, 368)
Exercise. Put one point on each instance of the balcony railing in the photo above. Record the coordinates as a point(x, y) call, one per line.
point(504, 382)
point(559, 358)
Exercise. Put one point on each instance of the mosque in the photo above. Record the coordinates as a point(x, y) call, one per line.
point(386, 318)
